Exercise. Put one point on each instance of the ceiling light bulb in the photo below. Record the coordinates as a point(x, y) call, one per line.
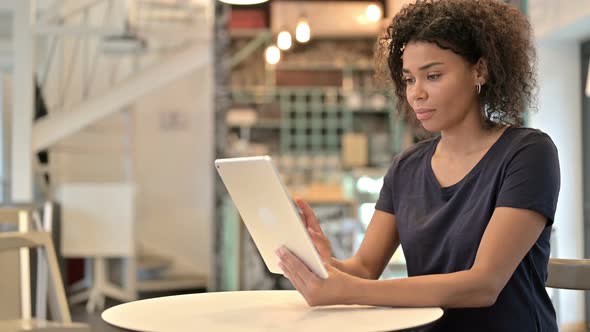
point(272, 55)
point(373, 13)
point(284, 40)
point(302, 31)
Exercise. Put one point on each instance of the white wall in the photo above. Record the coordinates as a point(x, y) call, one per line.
point(560, 19)
point(559, 26)
point(174, 171)
point(560, 116)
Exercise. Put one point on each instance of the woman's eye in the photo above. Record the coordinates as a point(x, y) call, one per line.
point(433, 76)
point(408, 80)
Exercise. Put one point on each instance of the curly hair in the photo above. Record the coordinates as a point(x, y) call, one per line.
point(473, 29)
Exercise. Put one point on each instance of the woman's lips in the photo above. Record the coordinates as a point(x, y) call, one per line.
point(424, 114)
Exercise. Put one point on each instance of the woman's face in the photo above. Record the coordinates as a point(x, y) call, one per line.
point(440, 86)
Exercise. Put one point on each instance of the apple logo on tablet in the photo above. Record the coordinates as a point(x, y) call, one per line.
point(266, 216)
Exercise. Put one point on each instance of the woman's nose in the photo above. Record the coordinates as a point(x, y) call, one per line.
point(417, 91)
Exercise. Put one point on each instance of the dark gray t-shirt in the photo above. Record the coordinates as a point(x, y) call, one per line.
point(440, 228)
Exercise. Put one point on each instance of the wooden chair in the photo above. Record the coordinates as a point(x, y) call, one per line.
point(23, 239)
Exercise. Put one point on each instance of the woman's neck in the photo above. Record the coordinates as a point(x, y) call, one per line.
point(467, 138)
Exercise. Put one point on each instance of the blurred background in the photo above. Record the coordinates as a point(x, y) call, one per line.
point(113, 111)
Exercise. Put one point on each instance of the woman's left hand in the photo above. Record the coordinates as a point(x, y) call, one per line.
point(333, 290)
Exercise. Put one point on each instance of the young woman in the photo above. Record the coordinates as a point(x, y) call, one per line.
point(472, 207)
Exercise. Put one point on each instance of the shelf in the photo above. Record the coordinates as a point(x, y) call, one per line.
point(319, 194)
point(246, 33)
point(264, 124)
point(369, 171)
point(325, 66)
point(371, 111)
point(312, 120)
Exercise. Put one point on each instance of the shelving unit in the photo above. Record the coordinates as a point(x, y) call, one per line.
point(304, 127)
point(311, 121)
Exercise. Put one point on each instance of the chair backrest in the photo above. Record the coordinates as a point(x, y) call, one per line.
point(16, 284)
point(13, 286)
point(24, 239)
point(10, 305)
point(41, 239)
point(569, 274)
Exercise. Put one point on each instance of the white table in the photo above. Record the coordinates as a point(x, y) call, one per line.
point(260, 311)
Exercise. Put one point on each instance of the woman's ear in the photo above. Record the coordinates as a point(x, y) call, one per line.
point(480, 71)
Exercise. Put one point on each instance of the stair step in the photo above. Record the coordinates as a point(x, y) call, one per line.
point(153, 262)
point(173, 282)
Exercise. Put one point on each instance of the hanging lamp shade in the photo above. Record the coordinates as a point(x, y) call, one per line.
point(243, 2)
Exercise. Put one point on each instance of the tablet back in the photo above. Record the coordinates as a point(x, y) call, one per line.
point(267, 210)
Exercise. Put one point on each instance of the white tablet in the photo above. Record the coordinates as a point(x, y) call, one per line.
point(268, 212)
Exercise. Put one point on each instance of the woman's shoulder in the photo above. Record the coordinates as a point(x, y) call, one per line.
point(528, 147)
point(527, 131)
point(525, 136)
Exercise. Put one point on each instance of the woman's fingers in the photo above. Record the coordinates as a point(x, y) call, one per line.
point(308, 215)
point(302, 291)
point(321, 244)
point(300, 270)
point(295, 282)
point(301, 214)
point(293, 276)
point(319, 239)
point(290, 271)
point(317, 234)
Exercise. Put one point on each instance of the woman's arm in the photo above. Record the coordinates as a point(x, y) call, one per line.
point(379, 243)
point(508, 237)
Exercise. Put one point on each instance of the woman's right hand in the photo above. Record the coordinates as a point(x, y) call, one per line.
point(321, 242)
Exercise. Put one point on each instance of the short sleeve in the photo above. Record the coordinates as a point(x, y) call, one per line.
point(532, 179)
point(385, 201)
